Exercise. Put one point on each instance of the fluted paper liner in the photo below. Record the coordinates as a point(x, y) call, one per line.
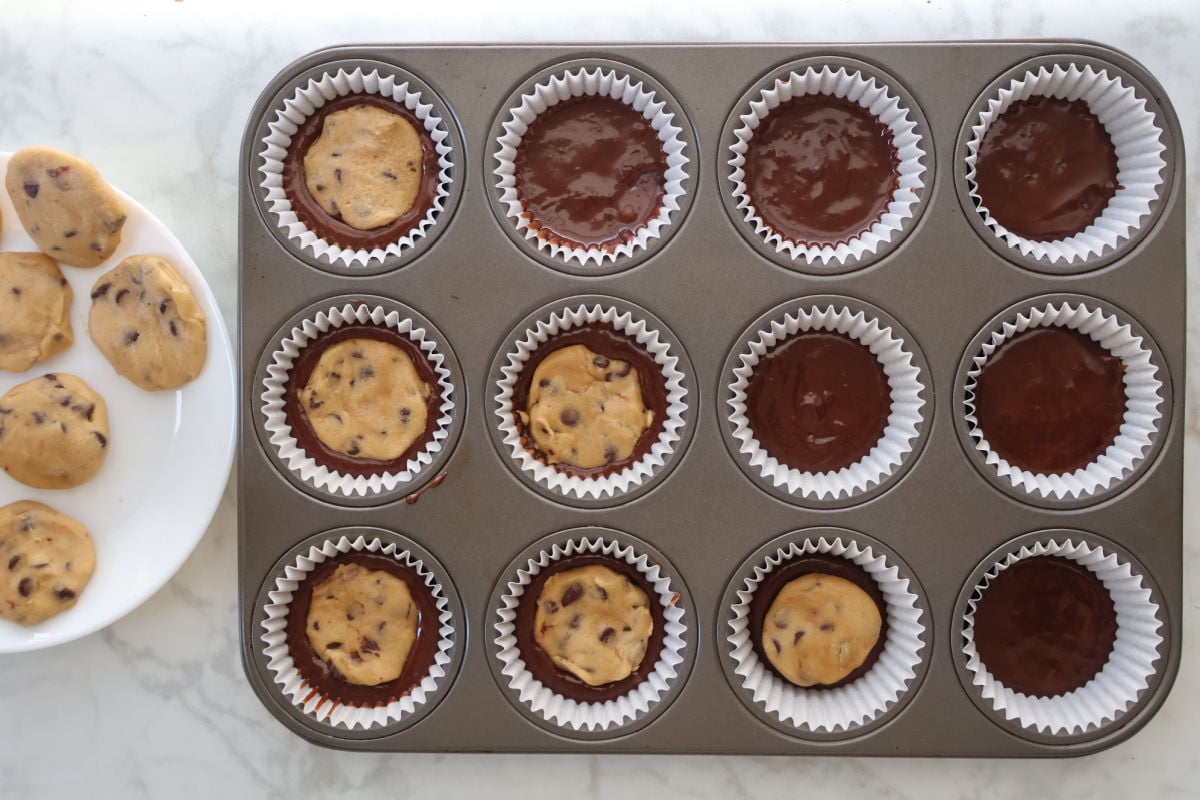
point(873, 94)
point(1130, 666)
point(904, 381)
point(854, 704)
point(293, 685)
point(563, 711)
point(593, 82)
point(275, 386)
point(1136, 137)
point(305, 102)
point(638, 330)
point(1143, 398)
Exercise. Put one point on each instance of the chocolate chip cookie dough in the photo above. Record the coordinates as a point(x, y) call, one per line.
point(363, 623)
point(147, 323)
point(68, 210)
point(53, 432)
point(35, 310)
point(819, 629)
point(46, 558)
point(593, 623)
point(365, 399)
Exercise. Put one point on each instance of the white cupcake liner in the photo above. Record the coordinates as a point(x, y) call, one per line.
point(296, 688)
point(873, 94)
point(564, 711)
point(582, 487)
point(1135, 135)
point(857, 703)
point(1143, 399)
point(289, 451)
point(899, 435)
point(303, 103)
point(1130, 666)
point(592, 82)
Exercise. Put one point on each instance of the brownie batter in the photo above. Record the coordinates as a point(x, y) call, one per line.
point(821, 169)
point(1050, 400)
point(590, 172)
point(1046, 168)
point(1045, 626)
point(818, 401)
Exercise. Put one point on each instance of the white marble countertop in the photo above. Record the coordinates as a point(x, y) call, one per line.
point(157, 94)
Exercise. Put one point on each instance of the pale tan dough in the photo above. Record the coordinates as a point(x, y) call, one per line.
point(35, 310)
point(364, 623)
point(147, 323)
point(46, 559)
point(594, 623)
point(584, 409)
point(53, 432)
point(364, 398)
point(819, 629)
point(68, 210)
point(365, 167)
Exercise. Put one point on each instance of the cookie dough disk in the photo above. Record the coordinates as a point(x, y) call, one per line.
point(819, 629)
point(35, 310)
point(585, 410)
point(594, 623)
point(147, 323)
point(364, 398)
point(72, 215)
point(46, 558)
point(365, 167)
point(364, 623)
point(53, 432)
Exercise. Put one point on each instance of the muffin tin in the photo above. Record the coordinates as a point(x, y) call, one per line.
point(945, 280)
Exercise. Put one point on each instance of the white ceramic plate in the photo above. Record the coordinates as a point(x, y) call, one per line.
point(169, 456)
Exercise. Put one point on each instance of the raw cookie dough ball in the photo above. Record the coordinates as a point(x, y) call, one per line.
point(68, 210)
point(365, 167)
point(53, 432)
point(584, 409)
point(819, 629)
point(594, 623)
point(46, 558)
point(364, 398)
point(147, 323)
point(35, 310)
point(364, 623)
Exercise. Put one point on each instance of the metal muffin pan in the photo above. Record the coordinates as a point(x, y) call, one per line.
point(942, 518)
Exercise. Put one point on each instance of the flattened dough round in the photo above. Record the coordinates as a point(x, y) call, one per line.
point(35, 310)
point(46, 559)
point(53, 432)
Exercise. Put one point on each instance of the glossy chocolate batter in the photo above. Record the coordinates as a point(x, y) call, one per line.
point(331, 228)
point(590, 172)
point(1050, 400)
point(1046, 168)
point(298, 419)
point(603, 340)
point(821, 169)
point(1045, 626)
point(322, 677)
point(542, 667)
point(839, 567)
point(818, 401)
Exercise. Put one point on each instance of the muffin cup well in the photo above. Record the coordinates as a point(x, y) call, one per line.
point(314, 708)
point(643, 703)
point(304, 97)
point(1137, 654)
point(306, 471)
point(1138, 135)
point(1146, 400)
point(639, 326)
point(879, 94)
point(857, 707)
point(592, 78)
point(911, 403)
